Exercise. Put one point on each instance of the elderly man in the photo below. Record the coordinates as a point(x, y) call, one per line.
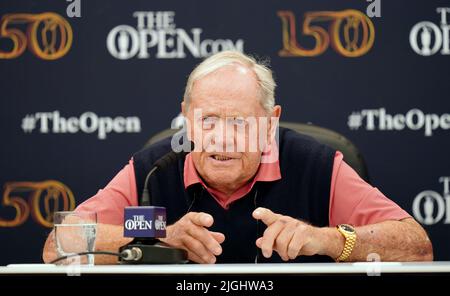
point(295, 201)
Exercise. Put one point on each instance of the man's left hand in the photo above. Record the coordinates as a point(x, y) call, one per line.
point(287, 236)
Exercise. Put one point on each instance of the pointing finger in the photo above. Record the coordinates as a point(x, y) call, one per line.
point(202, 219)
point(267, 216)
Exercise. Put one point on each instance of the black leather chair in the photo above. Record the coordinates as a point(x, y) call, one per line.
point(352, 155)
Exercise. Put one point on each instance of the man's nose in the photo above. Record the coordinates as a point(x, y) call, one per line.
point(224, 138)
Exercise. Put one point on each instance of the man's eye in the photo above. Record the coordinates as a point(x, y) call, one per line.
point(239, 122)
point(208, 121)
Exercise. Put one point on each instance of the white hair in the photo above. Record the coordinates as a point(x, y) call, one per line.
point(225, 58)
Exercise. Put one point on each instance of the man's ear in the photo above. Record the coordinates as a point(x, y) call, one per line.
point(276, 112)
point(187, 124)
point(273, 122)
point(183, 108)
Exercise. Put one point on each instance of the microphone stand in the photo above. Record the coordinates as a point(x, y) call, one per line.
point(150, 250)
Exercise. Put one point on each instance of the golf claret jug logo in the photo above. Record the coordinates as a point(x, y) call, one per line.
point(427, 38)
point(157, 31)
point(429, 207)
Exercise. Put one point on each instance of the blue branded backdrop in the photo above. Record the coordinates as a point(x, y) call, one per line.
point(84, 84)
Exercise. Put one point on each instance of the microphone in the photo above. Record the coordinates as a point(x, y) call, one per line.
point(161, 164)
point(146, 223)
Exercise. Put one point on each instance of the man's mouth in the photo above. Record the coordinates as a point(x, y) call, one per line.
point(221, 157)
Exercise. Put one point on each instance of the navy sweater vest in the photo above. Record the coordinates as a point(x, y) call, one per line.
point(303, 192)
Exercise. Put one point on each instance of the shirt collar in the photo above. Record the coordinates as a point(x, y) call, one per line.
point(268, 171)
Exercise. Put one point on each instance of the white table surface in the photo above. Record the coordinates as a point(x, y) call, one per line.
point(188, 269)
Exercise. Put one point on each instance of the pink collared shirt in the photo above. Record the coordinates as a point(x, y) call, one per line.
point(352, 200)
point(267, 172)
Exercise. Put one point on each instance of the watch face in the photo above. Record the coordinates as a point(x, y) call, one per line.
point(347, 228)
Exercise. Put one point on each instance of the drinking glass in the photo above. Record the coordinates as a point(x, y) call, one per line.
point(75, 233)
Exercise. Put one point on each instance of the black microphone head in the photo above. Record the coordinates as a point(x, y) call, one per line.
point(172, 157)
point(161, 164)
point(166, 160)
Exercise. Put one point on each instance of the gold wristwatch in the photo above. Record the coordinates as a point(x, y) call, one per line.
point(349, 234)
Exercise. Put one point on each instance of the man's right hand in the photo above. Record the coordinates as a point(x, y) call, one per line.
point(190, 233)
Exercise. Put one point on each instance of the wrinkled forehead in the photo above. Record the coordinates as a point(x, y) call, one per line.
point(231, 90)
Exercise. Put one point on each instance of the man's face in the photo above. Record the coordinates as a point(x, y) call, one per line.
point(226, 99)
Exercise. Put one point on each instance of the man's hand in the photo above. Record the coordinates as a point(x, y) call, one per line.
point(392, 240)
point(190, 233)
point(287, 236)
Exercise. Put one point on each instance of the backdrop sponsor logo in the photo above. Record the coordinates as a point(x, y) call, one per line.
point(351, 33)
point(40, 199)
point(430, 207)
point(47, 35)
point(156, 31)
point(414, 119)
point(88, 122)
point(427, 38)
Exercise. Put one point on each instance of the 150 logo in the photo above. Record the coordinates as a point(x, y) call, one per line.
point(40, 199)
point(350, 32)
point(48, 35)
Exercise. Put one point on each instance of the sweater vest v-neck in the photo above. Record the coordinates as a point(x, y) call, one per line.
point(303, 192)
